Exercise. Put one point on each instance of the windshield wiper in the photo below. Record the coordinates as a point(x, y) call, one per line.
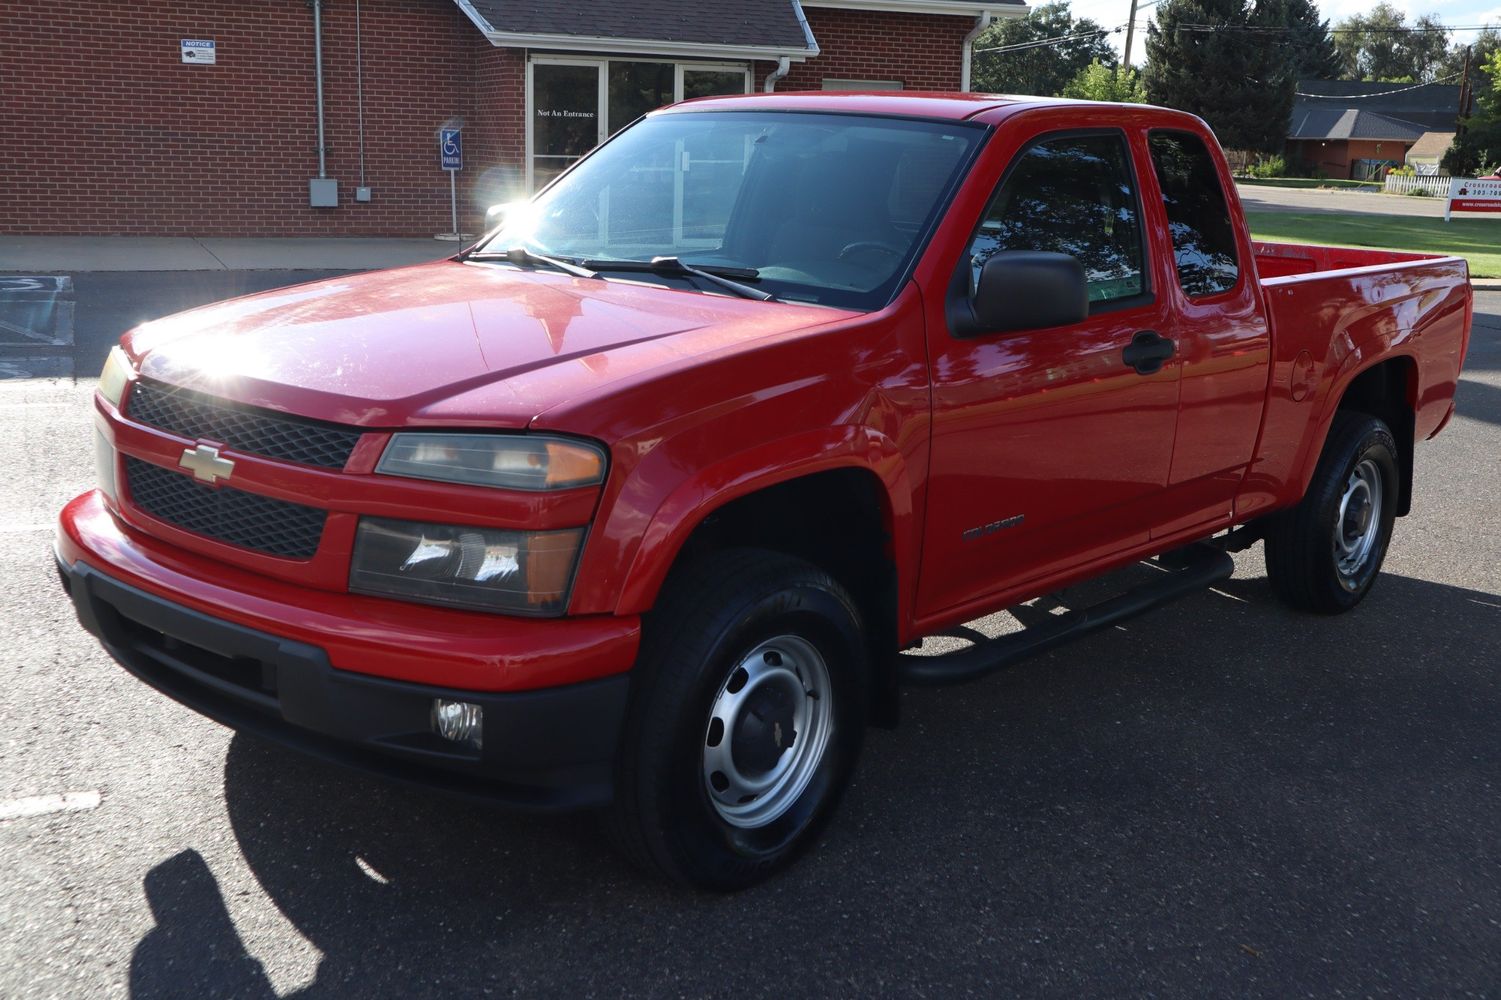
point(522, 257)
point(672, 265)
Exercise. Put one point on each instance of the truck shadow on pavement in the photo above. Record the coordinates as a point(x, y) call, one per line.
point(1220, 797)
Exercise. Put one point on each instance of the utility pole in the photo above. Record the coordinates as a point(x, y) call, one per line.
point(1130, 30)
point(1464, 93)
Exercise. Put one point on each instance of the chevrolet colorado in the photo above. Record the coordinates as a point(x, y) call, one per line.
point(638, 503)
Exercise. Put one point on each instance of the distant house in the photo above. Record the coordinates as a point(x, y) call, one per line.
point(1356, 130)
point(1426, 153)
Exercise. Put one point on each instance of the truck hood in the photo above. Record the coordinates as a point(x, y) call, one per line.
point(443, 343)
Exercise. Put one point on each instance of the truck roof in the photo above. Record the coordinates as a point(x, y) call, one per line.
point(915, 103)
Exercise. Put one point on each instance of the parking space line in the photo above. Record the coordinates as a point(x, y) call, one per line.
point(41, 805)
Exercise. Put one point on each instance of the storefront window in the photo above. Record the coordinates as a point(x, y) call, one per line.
point(576, 103)
point(636, 88)
point(712, 82)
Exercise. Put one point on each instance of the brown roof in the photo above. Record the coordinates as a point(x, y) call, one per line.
point(1431, 144)
point(752, 23)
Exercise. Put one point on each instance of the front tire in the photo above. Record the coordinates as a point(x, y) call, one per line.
point(1324, 554)
point(748, 710)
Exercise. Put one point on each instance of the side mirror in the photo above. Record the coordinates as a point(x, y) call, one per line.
point(1029, 290)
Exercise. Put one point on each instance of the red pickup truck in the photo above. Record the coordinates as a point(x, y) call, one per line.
point(643, 502)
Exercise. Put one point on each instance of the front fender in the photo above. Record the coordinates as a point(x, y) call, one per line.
point(686, 500)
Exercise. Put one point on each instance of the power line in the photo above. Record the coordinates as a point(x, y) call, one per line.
point(1383, 93)
point(1054, 40)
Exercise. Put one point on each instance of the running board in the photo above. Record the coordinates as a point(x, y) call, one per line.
point(1194, 568)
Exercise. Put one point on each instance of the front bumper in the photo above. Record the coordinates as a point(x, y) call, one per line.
point(543, 748)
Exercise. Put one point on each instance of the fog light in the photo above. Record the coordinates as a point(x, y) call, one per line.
point(458, 721)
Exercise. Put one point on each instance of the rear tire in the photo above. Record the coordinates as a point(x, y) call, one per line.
point(1324, 554)
point(748, 709)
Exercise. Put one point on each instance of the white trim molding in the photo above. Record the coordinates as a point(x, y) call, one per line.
point(639, 46)
point(954, 7)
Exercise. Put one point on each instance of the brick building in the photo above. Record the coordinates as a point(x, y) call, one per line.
point(1357, 130)
point(121, 118)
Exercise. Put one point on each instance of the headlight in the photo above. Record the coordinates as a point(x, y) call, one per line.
point(511, 461)
point(116, 374)
point(518, 572)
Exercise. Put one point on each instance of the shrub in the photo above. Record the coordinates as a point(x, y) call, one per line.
point(1272, 166)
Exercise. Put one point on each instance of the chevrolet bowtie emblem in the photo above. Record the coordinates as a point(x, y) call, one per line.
point(205, 464)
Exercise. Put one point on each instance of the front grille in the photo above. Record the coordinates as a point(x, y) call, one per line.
point(224, 513)
point(196, 415)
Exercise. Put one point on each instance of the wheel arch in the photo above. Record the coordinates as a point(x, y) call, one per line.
point(847, 510)
point(1388, 389)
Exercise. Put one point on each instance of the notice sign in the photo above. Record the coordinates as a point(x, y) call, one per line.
point(1473, 194)
point(198, 50)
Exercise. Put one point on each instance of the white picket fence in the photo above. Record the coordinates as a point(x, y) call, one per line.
point(1398, 184)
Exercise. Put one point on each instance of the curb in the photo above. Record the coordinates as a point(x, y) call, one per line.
point(1486, 284)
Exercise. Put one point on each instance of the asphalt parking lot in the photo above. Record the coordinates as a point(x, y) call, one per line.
point(1221, 798)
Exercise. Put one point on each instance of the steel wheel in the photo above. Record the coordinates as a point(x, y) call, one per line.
point(1357, 529)
point(767, 732)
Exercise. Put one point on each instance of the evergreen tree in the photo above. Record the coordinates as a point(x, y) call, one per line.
point(1308, 46)
point(1228, 64)
point(1043, 69)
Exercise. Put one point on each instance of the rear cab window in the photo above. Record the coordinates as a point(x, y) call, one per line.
point(1198, 216)
point(1076, 194)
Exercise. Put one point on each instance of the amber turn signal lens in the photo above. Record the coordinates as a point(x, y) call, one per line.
point(569, 464)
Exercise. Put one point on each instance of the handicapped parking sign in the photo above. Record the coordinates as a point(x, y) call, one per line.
point(451, 149)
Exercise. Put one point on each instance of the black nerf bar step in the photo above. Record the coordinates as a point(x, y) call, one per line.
point(1185, 572)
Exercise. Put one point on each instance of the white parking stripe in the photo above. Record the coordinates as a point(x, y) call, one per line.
point(41, 805)
point(20, 529)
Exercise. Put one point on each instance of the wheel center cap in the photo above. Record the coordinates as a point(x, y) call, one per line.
point(764, 730)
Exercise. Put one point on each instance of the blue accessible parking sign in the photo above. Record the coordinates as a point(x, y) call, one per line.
point(451, 149)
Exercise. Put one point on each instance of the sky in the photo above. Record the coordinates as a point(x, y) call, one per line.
point(1111, 13)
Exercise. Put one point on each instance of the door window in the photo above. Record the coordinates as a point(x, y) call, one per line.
point(565, 116)
point(1075, 195)
point(1197, 216)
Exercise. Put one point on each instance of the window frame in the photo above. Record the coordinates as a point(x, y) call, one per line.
point(1242, 260)
point(1148, 294)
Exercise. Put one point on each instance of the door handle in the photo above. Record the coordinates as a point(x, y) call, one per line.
point(1148, 352)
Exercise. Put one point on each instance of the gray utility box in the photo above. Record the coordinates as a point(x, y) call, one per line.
point(323, 192)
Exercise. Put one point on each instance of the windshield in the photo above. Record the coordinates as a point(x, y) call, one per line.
point(821, 208)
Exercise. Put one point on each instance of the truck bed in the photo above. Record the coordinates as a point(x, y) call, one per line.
point(1281, 260)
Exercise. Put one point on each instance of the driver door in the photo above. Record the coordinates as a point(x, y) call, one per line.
point(1049, 450)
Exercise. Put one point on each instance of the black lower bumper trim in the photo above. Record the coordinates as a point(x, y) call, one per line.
point(551, 749)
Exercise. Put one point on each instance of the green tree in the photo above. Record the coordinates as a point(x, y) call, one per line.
point(1381, 45)
point(1485, 45)
point(1040, 69)
point(1227, 62)
point(1098, 82)
point(1479, 146)
point(1306, 42)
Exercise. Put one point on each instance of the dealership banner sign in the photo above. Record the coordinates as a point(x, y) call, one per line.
point(1473, 194)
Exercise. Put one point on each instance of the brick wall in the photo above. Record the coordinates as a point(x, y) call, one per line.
point(923, 51)
point(107, 131)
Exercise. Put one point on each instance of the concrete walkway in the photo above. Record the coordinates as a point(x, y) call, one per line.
point(71, 254)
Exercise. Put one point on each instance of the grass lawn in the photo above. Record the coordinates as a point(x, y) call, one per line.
point(1308, 182)
point(1477, 240)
